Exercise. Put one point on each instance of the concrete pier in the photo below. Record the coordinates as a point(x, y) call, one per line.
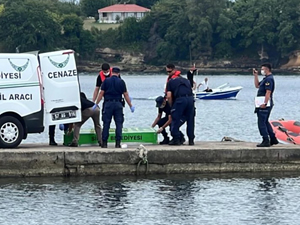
point(203, 157)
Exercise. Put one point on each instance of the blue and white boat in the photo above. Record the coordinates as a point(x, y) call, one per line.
point(222, 92)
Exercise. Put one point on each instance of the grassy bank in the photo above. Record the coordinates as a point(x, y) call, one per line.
point(89, 23)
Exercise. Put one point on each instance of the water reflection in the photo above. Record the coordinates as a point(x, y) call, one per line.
point(111, 195)
point(193, 199)
point(268, 184)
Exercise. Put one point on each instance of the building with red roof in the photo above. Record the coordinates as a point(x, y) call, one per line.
point(119, 12)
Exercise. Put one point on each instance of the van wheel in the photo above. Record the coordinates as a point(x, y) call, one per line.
point(11, 132)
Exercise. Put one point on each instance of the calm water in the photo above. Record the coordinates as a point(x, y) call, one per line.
point(215, 118)
point(198, 199)
point(211, 199)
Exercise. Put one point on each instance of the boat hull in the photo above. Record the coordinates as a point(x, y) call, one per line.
point(287, 132)
point(219, 94)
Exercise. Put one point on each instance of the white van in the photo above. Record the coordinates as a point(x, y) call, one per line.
point(26, 91)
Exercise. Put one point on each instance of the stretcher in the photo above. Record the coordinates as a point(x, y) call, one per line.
point(129, 135)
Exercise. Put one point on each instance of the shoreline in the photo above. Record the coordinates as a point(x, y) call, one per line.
point(42, 160)
point(85, 67)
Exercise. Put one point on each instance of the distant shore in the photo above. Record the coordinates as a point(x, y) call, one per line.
point(93, 67)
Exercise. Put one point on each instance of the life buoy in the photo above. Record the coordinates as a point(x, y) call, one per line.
point(287, 132)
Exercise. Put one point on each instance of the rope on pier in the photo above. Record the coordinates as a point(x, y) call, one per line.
point(230, 139)
point(143, 159)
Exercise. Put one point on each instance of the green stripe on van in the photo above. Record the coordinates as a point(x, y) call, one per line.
point(28, 84)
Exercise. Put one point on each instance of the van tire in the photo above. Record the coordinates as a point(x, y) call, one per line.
point(11, 132)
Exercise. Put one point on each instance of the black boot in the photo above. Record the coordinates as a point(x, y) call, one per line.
point(165, 141)
point(182, 139)
point(100, 143)
point(52, 141)
point(175, 141)
point(191, 142)
point(274, 141)
point(118, 144)
point(265, 143)
point(104, 144)
point(51, 135)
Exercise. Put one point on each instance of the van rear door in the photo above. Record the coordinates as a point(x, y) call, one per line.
point(61, 87)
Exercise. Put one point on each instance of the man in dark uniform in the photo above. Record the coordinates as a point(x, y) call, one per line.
point(163, 123)
point(266, 88)
point(180, 98)
point(112, 89)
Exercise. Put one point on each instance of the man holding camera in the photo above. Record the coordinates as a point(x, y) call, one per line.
point(265, 91)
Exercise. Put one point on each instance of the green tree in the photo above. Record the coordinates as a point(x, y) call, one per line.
point(72, 26)
point(29, 26)
point(87, 45)
point(165, 30)
point(271, 26)
point(224, 33)
point(90, 7)
point(204, 16)
point(288, 16)
point(130, 30)
point(146, 3)
point(1, 8)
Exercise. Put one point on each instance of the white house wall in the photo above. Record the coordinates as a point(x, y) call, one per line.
point(111, 17)
point(115, 15)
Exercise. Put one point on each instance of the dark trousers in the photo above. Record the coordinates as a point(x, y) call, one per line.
point(183, 108)
point(264, 126)
point(112, 109)
point(160, 123)
point(51, 131)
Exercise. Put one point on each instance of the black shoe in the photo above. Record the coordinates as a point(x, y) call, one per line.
point(100, 143)
point(53, 143)
point(191, 143)
point(265, 143)
point(175, 142)
point(104, 144)
point(118, 144)
point(72, 144)
point(165, 141)
point(182, 140)
point(274, 141)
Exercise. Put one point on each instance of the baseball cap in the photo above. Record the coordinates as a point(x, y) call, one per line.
point(159, 101)
point(116, 70)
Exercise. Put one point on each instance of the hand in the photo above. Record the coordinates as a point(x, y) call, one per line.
point(61, 127)
point(132, 108)
point(263, 106)
point(255, 72)
point(159, 130)
point(95, 106)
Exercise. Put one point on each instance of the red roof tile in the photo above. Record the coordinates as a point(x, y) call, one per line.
point(124, 8)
